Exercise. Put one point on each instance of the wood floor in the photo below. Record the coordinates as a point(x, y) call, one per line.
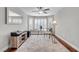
point(40, 43)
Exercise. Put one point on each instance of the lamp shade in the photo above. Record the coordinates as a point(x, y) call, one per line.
point(54, 22)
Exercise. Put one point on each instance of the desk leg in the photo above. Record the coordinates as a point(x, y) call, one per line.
point(49, 36)
point(54, 40)
point(44, 34)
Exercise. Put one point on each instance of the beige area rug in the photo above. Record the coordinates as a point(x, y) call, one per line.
point(41, 43)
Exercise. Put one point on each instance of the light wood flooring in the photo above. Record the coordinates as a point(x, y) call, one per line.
point(41, 43)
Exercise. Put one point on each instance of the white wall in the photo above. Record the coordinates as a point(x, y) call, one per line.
point(5, 29)
point(68, 25)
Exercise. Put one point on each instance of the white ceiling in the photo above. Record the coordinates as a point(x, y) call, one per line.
point(28, 11)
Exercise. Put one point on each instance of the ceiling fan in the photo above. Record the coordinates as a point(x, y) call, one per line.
point(41, 10)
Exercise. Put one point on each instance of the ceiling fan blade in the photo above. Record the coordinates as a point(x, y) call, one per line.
point(46, 9)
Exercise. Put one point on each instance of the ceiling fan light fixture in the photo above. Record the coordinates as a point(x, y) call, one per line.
point(54, 22)
point(40, 12)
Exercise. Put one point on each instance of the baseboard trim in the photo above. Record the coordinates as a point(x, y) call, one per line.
point(10, 50)
point(66, 44)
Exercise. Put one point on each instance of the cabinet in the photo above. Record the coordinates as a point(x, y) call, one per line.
point(17, 41)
